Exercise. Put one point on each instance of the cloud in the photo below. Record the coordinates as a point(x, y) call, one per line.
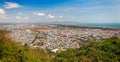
point(22, 18)
point(34, 13)
point(10, 5)
point(17, 17)
point(39, 14)
point(2, 11)
point(19, 13)
point(51, 16)
point(73, 17)
point(61, 16)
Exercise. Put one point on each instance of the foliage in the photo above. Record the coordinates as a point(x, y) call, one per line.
point(107, 51)
point(14, 52)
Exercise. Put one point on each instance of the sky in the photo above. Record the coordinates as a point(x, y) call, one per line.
point(56, 11)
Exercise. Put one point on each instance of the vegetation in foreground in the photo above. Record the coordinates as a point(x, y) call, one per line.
point(107, 51)
point(14, 52)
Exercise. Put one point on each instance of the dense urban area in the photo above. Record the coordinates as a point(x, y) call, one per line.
point(57, 37)
point(59, 43)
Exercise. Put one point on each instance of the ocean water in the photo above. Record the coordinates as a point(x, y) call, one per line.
point(107, 25)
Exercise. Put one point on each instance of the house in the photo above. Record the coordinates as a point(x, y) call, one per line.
point(55, 50)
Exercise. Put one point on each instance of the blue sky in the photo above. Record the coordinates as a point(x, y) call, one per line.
point(78, 11)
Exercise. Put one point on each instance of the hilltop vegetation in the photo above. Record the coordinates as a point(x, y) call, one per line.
point(14, 52)
point(107, 51)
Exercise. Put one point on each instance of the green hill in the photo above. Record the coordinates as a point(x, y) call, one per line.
point(14, 52)
point(107, 51)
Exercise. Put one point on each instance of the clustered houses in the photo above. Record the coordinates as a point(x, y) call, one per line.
point(56, 39)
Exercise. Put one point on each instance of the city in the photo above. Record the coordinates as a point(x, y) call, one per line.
point(59, 30)
point(56, 37)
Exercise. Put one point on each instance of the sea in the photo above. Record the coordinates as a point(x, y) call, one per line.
point(105, 25)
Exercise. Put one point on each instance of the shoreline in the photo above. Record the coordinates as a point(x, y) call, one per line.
point(67, 25)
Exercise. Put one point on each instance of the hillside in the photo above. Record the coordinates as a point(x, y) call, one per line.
point(15, 52)
point(107, 51)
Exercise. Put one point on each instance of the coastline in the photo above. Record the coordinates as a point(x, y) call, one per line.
point(75, 25)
